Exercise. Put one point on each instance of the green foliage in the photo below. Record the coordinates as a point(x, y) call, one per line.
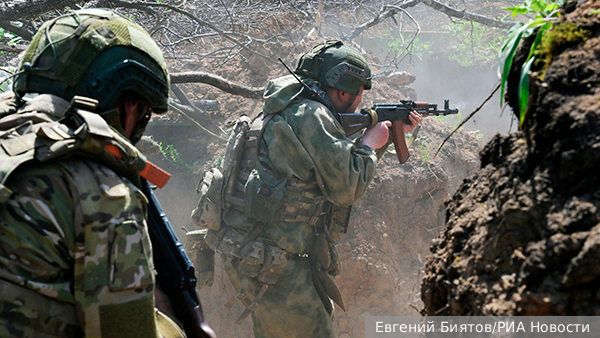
point(455, 118)
point(465, 42)
point(419, 48)
point(423, 150)
point(542, 15)
point(537, 8)
point(8, 37)
point(218, 161)
point(170, 153)
point(476, 42)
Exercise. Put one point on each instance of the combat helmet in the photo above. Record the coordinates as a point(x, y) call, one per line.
point(99, 54)
point(335, 65)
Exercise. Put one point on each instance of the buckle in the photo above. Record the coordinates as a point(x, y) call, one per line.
point(313, 220)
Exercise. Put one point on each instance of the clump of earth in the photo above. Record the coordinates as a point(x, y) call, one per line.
point(522, 234)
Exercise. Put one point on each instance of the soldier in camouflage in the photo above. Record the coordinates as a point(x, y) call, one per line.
point(75, 256)
point(285, 201)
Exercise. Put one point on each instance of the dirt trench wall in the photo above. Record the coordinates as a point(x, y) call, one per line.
point(522, 235)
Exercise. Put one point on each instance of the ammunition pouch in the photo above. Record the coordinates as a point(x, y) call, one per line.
point(323, 254)
point(259, 258)
point(202, 257)
point(207, 213)
point(264, 197)
point(338, 221)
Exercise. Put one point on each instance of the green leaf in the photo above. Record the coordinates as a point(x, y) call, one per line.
point(538, 6)
point(524, 90)
point(595, 12)
point(538, 40)
point(516, 10)
point(15, 40)
point(514, 43)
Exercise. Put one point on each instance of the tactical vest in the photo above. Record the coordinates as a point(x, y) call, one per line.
point(41, 134)
point(48, 128)
point(244, 184)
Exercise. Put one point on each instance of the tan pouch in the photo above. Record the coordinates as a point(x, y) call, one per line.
point(207, 213)
point(202, 256)
point(264, 197)
point(275, 261)
point(253, 257)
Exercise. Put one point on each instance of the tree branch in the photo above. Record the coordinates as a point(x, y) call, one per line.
point(12, 49)
point(19, 31)
point(467, 15)
point(219, 82)
point(18, 9)
point(181, 109)
point(143, 5)
point(385, 13)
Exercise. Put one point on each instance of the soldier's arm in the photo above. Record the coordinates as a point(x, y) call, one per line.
point(342, 169)
point(114, 283)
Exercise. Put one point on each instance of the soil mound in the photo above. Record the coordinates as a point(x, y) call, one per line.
point(522, 235)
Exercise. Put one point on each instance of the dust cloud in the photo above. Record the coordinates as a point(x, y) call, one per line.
point(438, 78)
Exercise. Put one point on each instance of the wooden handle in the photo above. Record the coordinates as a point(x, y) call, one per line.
point(400, 141)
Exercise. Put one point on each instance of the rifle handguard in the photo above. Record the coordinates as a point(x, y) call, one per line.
point(374, 117)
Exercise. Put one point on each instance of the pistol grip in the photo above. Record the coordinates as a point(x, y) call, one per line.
point(400, 141)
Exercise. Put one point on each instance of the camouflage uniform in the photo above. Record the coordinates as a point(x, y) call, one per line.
point(302, 143)
point(74, 232)
point(75, 256)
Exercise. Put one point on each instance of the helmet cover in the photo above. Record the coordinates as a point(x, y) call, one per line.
point(95, 53)
point(335, 65)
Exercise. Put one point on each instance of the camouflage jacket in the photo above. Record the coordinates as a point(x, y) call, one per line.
point(73, 232)
point(304, 142)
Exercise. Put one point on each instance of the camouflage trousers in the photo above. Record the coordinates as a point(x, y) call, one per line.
point(289, 308)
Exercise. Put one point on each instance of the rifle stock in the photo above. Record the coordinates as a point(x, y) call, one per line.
point(175, 271)
point(398, 114)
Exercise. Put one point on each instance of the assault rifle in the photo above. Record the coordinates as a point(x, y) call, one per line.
point(398, 114)
point(175, 272)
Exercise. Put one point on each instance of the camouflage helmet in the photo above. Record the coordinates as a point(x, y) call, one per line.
point(95, 53)
point(335, 65)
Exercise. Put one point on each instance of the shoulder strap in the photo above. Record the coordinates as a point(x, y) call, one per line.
point(81, 132)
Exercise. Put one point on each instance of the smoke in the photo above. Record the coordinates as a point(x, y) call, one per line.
point(438, 78)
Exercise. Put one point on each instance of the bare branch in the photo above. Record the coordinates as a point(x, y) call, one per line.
point(12, 49)
point(143, 5)
point(219, 82)
point(22, 32)
point(18, 9)
point(386, 12)
point(468, 16)
point(181, 109)
point(465, 120)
